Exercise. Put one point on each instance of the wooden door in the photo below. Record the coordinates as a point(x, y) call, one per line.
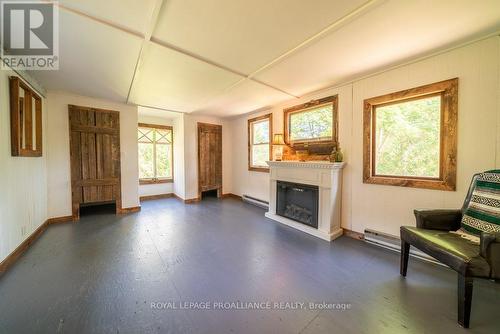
point(95, 157)
point(209, 158)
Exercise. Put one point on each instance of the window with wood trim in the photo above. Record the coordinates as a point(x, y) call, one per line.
point(410, 137)
point(312, 125)
point(26, 120)
point(155, 153)
point(259, 142)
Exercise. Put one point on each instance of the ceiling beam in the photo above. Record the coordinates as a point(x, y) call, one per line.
point(155, 14)
point(96, 19)
point(148, 38)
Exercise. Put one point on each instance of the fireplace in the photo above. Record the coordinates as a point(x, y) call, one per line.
point(298, 202)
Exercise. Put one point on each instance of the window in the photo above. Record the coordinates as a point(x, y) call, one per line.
point(26, 120)
point(259, 142)
point(155, 153)
point(410, 137)
point(312, 125)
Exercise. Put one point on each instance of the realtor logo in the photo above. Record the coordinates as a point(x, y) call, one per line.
point(29, 32)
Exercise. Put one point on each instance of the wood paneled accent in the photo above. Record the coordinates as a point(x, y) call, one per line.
point(323, 147)
point(209, 158)
point(95, 156)
point(249, 127)
point(448, 90)
point(22, 122)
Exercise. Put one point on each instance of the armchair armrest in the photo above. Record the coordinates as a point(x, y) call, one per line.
point(444, 220)
point(490, 250)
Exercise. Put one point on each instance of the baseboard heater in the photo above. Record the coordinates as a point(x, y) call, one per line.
point(255, 201)
point(391, 242)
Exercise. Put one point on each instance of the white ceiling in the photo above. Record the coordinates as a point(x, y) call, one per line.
point(227, 57)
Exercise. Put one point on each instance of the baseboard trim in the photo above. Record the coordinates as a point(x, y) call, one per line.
point(192, 200)
point(231, 195)
point(353, 234)
point(23, 247)
point(60, 220)
point(154, 197)
point(124, 211)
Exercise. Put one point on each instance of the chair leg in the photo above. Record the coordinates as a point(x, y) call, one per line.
point(464, 299)
point(405, 252)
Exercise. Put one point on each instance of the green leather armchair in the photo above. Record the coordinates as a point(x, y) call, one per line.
point(470, 260)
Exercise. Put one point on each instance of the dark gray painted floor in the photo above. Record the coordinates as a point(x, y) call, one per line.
point(102, 274)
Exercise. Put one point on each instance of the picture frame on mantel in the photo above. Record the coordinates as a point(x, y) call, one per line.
point(25, 120)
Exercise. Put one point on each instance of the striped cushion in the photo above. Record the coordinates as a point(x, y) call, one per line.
point(483, 212)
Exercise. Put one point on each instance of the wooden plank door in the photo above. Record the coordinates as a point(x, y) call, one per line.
point(209, 158)
point(95, 157)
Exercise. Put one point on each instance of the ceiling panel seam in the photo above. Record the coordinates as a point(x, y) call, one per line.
point(335, 25)
point(145, 44)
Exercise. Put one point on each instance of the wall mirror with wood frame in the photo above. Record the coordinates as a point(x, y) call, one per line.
point(410, 137)
point(313, 125)
point(25, 120)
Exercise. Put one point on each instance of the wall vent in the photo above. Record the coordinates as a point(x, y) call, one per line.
point(255, 201)
point(393, 243)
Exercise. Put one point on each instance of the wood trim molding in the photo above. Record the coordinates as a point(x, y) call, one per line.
point(231, 195)
point(321, 147)
point(164, 127)
point(249, 138)
point(21, 117)
point(192, 200)
point(155, 126)
point(154, 181)
point(448, 90)
point(353, 234)
point(59, 220)
point(124, 211)
point(18, 252)
point(155, 197)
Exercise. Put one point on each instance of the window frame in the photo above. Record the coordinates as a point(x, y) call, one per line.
point(315, 146)
point(25, 131)
point(250, 123)
point(155, 180)
point(448, 90)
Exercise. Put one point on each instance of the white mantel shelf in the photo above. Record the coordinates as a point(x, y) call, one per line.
point(307, 164)
point(327, 176)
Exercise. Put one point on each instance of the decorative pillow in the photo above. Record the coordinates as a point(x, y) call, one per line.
point(483, 212)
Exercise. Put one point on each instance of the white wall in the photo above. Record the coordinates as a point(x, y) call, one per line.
point(23, 181)
point(160, 188)
point(191, 153)
point(179, 160)
point(386, 208)
point(58, 155)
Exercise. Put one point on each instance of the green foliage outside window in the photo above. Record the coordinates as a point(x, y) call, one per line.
point(407, 138)
point(155, 153)
point(260, 143)
point(312, 124)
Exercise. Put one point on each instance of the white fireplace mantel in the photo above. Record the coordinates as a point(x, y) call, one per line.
point(327, 176)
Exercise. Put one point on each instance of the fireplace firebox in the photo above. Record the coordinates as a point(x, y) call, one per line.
point(298, 202)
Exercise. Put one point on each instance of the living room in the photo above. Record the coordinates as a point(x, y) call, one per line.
point(251, 167)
